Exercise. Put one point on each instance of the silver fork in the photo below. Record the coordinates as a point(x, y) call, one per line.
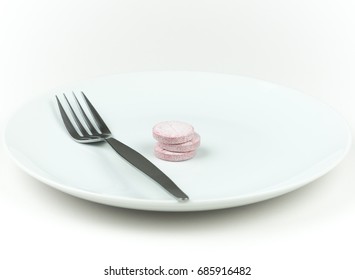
point(104, 134)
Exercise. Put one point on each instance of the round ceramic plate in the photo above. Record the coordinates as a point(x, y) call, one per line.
point(258, 140)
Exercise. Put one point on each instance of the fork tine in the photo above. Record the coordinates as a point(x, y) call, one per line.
point(99, 121)
point(86, 119)
point(76, 119)
point(70, 128)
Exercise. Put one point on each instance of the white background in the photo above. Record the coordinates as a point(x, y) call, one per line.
point(308, 45)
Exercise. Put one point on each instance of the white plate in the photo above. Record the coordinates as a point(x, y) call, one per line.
point(258, 140)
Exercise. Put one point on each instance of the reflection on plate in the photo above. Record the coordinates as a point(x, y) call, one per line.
point(259, 140)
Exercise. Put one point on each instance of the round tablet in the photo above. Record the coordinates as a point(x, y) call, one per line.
point(188, 146)
point(172, 156)
point(173, 132)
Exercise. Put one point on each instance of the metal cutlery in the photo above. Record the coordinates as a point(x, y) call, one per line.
point(91, 134)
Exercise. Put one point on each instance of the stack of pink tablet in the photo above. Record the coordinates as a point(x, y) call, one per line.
point(177, 141)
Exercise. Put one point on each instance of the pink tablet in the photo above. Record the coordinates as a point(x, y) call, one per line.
point(188, 146)
point(173, 132)
point(172, 156)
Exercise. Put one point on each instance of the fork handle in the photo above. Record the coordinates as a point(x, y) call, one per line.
point(144, 165)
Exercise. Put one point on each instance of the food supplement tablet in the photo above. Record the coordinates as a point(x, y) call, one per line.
point(173, 132)
point(188, 146)
point(172, 156)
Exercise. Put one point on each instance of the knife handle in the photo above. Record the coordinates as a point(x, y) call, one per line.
point(144, 165)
